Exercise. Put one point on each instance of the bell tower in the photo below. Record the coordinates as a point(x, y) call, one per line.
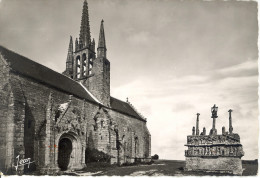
point(99, 84)
point(82, 64)
point(84, 53)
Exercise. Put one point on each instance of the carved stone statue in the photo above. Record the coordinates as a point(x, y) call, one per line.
point(193, 130)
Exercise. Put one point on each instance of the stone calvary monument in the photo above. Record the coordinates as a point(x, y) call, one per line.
point(214, 152)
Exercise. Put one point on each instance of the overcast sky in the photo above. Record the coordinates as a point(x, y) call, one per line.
point(171, 58)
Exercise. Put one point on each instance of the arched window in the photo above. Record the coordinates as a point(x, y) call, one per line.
point(90, 65)
point(77, 67)
point(84, 64)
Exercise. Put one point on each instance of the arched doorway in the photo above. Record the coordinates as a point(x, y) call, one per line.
point(65, 149)
point(71, 153)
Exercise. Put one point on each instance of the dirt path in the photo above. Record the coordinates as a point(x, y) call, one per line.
point(159, 168)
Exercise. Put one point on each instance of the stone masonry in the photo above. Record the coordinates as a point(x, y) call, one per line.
point(53, 118)
point(214, 153)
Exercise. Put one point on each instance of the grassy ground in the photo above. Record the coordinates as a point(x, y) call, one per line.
point(158, 168)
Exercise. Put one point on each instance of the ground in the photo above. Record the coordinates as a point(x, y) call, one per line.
point(158, 168)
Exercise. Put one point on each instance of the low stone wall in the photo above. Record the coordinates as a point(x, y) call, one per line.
point(220, 164)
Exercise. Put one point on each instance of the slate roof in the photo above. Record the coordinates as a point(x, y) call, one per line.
point(45, 75)
point(124, 107)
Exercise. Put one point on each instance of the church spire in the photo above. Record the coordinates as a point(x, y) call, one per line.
point(69, 62)
point(102, 42)
point(84, 36)
point(70, 51)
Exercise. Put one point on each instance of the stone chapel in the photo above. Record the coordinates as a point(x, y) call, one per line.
point(54, 118)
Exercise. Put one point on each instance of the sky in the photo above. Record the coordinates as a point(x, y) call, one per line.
point(172, 59)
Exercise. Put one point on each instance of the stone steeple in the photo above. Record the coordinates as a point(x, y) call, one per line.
point(93, 44)
point(99, 83)
point(84, 53)
point(101, 50)
point(69, 61)
point(84, 36)
point(70, 51)
point(76, 45)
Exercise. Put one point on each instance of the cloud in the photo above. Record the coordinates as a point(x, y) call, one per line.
point(248, 68)
point(174, 102)
point(141, 38)
point(182, 106)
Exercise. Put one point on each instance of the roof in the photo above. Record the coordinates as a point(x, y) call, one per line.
point(48, 76)
point(44, 74)
point(124, 107)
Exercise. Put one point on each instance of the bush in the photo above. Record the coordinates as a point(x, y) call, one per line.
point(93, 155)
point(155, 157)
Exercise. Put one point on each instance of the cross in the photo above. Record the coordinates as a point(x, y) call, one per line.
point(197, 124)
point(214, 111)
point(214, 107)
point(230, 122)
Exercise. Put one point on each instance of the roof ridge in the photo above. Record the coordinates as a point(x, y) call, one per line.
point(36, 63)
point(117, 99)
point(132, 106)
point(38, 72)
point(89, 93)
point(27, 58)
point(43, 74)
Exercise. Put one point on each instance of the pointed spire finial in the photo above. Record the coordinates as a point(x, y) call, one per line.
point(102, 41)
point(70, 51)
point(69, 61)
point(84, 36)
